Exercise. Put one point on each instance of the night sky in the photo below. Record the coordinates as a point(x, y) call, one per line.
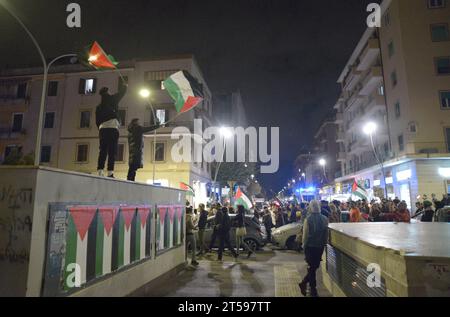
point(283, 55)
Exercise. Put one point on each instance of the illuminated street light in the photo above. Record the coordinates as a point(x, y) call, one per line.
point(322, 162)
point(226, 132)
point(144, 93)
point(370, 128)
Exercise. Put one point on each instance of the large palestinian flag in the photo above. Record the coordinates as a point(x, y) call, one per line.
point(98, 59)
point(185, 90)
point(358, 191)
point(102, 239)
point(242, 199)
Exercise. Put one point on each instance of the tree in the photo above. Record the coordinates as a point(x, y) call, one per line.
point(236, 172)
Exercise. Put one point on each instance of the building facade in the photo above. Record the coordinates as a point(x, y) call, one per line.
point(70, 137)
point(398, 78)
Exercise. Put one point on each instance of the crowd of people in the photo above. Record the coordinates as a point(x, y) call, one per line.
point(196, 223)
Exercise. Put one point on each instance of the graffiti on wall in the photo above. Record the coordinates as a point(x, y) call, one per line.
point(169, 227)
point(87, 242)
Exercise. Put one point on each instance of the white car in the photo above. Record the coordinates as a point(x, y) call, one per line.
point(285, 236)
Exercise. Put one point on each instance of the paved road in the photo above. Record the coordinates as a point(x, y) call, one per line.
point(271, 273)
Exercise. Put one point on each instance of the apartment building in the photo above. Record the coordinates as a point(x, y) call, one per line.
point(398, 77)
point(70, 138)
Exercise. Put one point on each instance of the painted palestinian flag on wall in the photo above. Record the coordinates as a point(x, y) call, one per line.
point(358, 191)
point(98, 59)
point(169, 227)
point(102, 239)
point(189, 190)
point(185, 90)
point(242, 199)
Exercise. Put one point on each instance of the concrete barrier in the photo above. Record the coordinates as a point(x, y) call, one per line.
point(118, 236)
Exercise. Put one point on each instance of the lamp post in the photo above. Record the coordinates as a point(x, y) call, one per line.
point(145, 94)
point(370, 128)
point(323, 163)
point(226, 134)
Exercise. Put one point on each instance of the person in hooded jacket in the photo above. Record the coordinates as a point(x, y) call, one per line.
point(136, 146)
point(107, 120)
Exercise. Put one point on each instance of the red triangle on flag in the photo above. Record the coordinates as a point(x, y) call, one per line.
point(190, 103)
point(162, 214)
point(82, 217)
point(108, 215)
point(143, 214)
point(128, 215)
point(171, 213)
point(238, 193)
point(179, 212)
point(98, 57)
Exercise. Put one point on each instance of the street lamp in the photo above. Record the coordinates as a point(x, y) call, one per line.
point(370, 128)
point(226, 133)
point(323, 163)
point(145, 94)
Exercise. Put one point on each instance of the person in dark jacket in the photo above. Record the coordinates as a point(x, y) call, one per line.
point(202, 221)
point(217, 220)
point(315, 238)
point(268, 223)
point(223, 231)
point(428, 212)
point(107, 119)
point(136, 146)
point(241, 231)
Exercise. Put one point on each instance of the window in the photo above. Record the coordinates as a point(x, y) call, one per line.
point(120, 154)
point(162, 115)
point(155, 84)
point(445, 99)
point(160, 152)
point(381, 90)
point(447, 136)
point(49, 120)
point(394, 78)
point(387, 19)
point(12, 149)
point(22, 91)
point(442, 65)
point(401, 144)
point(82, 153)
point(412, 127)
point(391, 49)
point(436, 4)
point(439, 32)
point(87, 86)
point(53, 89)
point(85, 119)
point(397, 110)
point(46, 152)
point(17, 122)
point(122, 114)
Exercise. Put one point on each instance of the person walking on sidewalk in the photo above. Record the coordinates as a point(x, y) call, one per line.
point(136, 146)
point(315, 238)
point(107, 119)
point(223, 233)
point(190, 235)
point(268, 224)
point(241, 231)
point(217, 222)
point(203, 219)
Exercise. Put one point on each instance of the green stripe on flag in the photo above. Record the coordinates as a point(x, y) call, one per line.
point(121, 253)
point(71, 249)
point(137, 246)
point(99, 247)
point(174, 91)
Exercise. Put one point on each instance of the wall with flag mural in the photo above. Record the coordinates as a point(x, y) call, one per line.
point(84, 235)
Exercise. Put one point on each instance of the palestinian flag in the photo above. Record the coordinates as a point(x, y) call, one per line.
point(242, 199)
point(98, 59)
point(190, 191)
point(185, 90)
point(358, 191)
point(169, 227)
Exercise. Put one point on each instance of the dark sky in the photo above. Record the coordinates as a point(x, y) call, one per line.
point(284, 55)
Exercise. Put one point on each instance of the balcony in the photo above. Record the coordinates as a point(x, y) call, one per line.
point(8, 133)
point(341, 157)
point(355, 100)
point(339, 118)
point(372, 80)
point(359, 146)
point(376, 105)
point(368, 56)
point(352, 79)
point(340, 137)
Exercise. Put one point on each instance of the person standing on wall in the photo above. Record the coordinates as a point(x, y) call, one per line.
point(315, 238)
point(107, 119)
point(136, 146)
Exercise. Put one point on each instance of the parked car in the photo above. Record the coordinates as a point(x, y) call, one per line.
point(285, 236)
point(255, 238)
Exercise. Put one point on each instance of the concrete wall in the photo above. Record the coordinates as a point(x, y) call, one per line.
point(55, 186)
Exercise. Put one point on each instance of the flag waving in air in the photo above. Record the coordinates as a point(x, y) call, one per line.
point(242, 199)
point(98, 59)
point(189, 189)
point(185, 90)
point(359, 191)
